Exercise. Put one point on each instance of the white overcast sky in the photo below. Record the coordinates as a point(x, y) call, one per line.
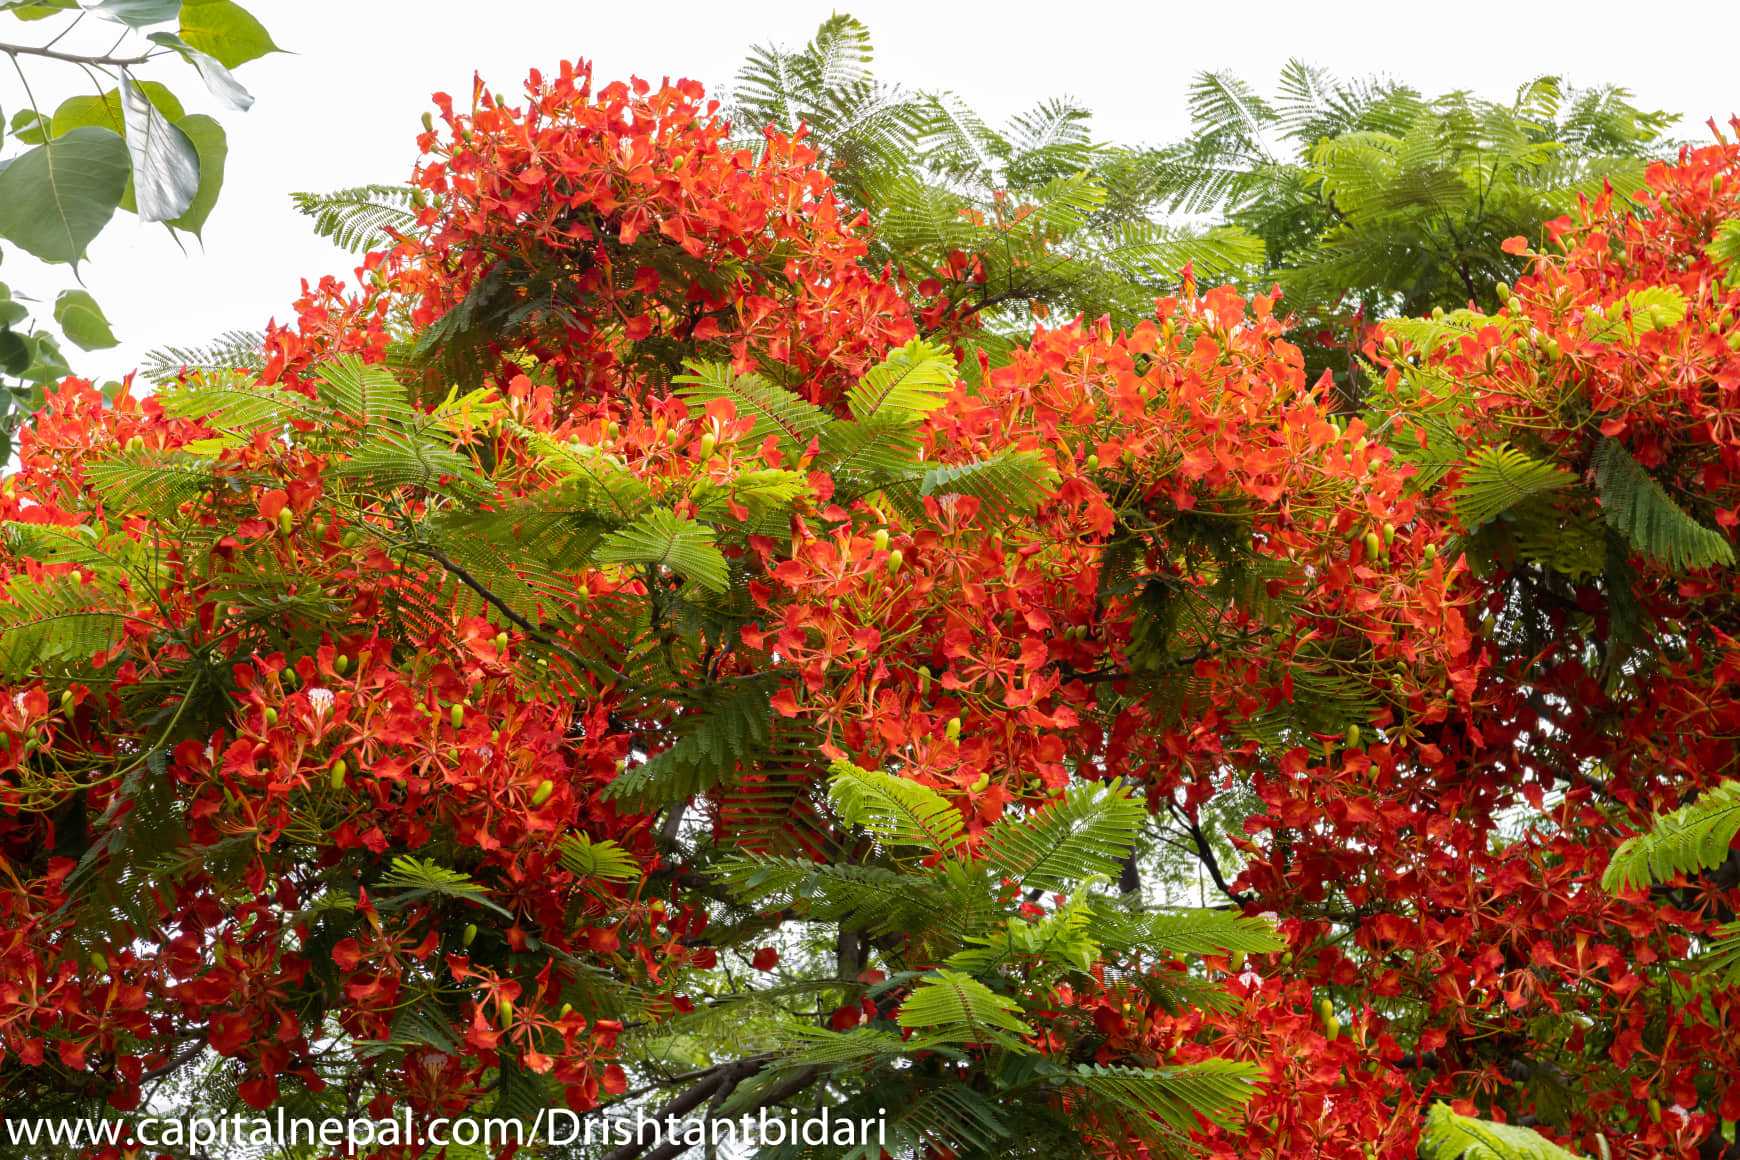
point(344, 108)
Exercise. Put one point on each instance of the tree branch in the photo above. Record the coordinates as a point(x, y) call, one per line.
point(17, 50)
point(1205, 854)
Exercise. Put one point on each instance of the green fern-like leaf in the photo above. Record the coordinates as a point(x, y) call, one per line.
point(1498, 479)
point(1214, 1089)
point(357, 219)
point(1692, 838)
point(664, 540)
point(149, 481)
point(395, 459)
point(960, 1007)
point(237, 402)
point(776, 410)
point(867, 898)
point(605, 860)
point(1724, 247)
point(1637, 507)
point(1723, 958)
point(907, 385)
point(421, 877)
point(61, 544)
point(1207, 932)
point(367, 393)
point(715, 736)
point(57, 619)
point(1638, 312)
point(893, 808)
point(233, 350)
point(1008, 483)
point(1449, 1136)
point(1086, 834)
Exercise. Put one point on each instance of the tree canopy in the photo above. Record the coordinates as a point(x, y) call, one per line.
point(678, 632)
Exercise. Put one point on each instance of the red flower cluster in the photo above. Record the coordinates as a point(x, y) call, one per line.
point(1157, 555)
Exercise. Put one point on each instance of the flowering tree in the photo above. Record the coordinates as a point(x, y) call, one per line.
point(618, 653)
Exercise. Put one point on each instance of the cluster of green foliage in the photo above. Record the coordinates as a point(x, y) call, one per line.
point(129, 144)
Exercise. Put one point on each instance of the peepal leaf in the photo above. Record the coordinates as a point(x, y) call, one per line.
point(213, 147)
point(138, 13)
point(219, 81)
point(165, 163)
point(82, 321)
point(225, 31)
point(58, 196)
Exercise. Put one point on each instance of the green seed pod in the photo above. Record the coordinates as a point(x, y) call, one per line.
point(469, 935)
point(543, 792)
point(456, 714)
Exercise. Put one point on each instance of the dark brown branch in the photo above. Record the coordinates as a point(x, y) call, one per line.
point(477, 586)
point(1205, 854)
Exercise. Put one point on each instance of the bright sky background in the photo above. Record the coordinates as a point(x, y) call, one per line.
point(344, 109)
